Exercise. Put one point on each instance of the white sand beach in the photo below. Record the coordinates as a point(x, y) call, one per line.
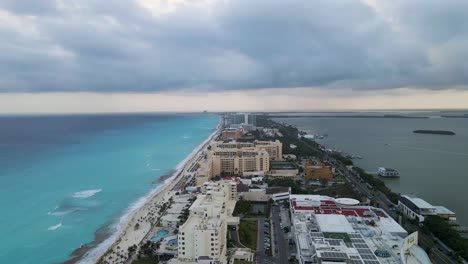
point(143, 219)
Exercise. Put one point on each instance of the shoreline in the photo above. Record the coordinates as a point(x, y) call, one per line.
point(125, 235)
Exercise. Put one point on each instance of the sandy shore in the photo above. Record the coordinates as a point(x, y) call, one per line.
point(144, 218)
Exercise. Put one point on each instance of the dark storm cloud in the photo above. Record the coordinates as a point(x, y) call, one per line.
point(109, 46)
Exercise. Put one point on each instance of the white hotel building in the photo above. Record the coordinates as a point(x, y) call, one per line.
point(202, 238)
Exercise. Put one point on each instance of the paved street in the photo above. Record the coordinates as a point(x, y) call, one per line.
point(261, 257)
point(235, 237)
point(281, 245)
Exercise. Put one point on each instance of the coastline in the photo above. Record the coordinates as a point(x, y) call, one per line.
point(124, 234)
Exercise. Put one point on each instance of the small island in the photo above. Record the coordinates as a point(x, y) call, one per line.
point(435, 132)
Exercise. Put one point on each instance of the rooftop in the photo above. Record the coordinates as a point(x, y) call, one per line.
point(420, 203)
point(441, 210)
point(344, 233)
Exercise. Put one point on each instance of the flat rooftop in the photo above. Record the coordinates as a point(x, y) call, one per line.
point(333, 223)
point(442, 210)
point(341, 233)
point(420, 203)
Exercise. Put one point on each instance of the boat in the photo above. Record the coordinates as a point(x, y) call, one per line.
point(388, 173)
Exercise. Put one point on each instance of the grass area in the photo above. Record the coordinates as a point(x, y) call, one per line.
point(146, 260)
point(251, 209)
point(343, 236)
point(340, 190)
point(248, 234)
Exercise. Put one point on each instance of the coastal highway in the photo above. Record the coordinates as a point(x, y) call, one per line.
point(429, 242)
point(355, 179)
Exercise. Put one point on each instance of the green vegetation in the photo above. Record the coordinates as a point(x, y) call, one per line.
point(346, 161)
point(304, 147)
point(339, 190)
point(248, 234)
point(294, 185)
point(250, 209)
point(343, 236)
point(377, 184)
point(442, 230)
point(146, 260)
point(242, 207)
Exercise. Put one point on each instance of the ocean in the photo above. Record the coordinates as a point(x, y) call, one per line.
point(434, 167)
point(66, 181)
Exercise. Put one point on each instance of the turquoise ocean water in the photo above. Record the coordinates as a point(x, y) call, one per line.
point(61, 184)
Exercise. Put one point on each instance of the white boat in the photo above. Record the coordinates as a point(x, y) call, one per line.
point(387, 172)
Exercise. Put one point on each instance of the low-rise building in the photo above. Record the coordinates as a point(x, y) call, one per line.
point(327, 230)
point(315, 170)
point(264, 195)
point(414, 207)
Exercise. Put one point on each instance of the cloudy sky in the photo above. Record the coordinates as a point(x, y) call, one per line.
point(192, 55)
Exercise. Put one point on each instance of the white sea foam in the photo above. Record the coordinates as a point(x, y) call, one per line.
point(93, 255)
point(86, 193)
point(61, 213)
point(55, 227)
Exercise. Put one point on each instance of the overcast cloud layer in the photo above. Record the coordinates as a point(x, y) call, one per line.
point(145, 46)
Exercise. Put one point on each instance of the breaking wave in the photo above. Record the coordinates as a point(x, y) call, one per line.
point(55, 227)
point(86, 193)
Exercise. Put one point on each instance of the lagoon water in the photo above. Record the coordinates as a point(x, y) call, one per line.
point(63, 178)
point(434, 167)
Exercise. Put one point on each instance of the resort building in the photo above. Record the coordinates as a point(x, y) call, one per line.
point(202, 238)
point(274, 148)
point(236, 158)
point(328, 230)
point(315, 170)
point(238, 161)
point(414, 207)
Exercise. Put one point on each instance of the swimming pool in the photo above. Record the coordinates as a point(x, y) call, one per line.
point(160, 235)
point(171, 244)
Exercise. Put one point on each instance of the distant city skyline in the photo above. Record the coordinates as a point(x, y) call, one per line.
point(235, 101)
point(232, 55)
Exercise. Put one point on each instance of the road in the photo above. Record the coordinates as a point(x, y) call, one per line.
point(354, 178)
point(281, 245)
point(234, 235)
point(260, 253)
